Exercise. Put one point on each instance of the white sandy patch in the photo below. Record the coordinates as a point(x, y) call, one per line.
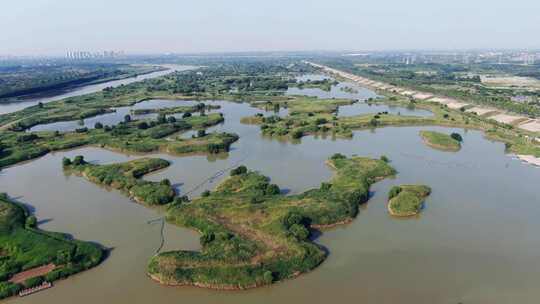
point(442, 100)
point(530, 159)
point(408, 93)
point(532, 126)
point(457, 105)
point(509, 81)
point(505, 118)
point(422, 96)
point(481, 111)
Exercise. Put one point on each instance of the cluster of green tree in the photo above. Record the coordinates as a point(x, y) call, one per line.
point(24, 246)
point(252, 235)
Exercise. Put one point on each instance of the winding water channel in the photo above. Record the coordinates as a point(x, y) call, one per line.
point(476, 241)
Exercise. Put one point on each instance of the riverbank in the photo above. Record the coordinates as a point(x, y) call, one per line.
point(522, 122)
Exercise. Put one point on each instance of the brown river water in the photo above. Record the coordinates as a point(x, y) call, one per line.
point(476, 241)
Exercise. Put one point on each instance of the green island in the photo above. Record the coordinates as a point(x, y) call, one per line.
point(128, 136)
point(127, 177)
point(201, 107)
point(441, 141)
point(24, 248)
point(251, 234)
point(407, 200)
point(324, 84)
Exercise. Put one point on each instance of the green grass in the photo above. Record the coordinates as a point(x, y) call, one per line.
point(23, 247)
point(407, 200)
point(440, 141)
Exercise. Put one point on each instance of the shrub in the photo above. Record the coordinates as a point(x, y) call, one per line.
point(207, 238)
point(27, 137)
point(201, 133)
point(326, 186)
point(143, 125)
point(457, 137)
point(186, 115)
point(272, 189)
point(81, 130)
point(206, 193)
point(66, 162)
point(338, 156)
point(127, 118)
point(297, 134)
point(181, 199)
point(78, 160)
point(33, 282)
point(299, 231)
point(385, 159)
point(98, 125)
point(394, 191)
point(171, 119)
point(165, 182)
point(161, 119)
point(238, 171)
point(31, 222)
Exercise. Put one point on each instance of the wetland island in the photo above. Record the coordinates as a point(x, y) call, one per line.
point(215, 150)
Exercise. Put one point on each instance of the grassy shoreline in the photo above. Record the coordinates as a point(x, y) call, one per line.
point(25, 247)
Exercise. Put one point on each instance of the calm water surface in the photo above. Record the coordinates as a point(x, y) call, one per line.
point(476, 241)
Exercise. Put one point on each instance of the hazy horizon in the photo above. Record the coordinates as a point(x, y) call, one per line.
point(47, 27)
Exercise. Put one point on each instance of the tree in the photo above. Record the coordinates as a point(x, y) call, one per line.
point(127, 118)
point(394, 191)
point(78, 160)
point(66, 162)
point(161, 119)
point(238, 171)
point(143, 125)
point(299, 231)
point(272, 189)
point(338, 156)
point(165, 182)
point(206, 193)
point(457, 137)
point(201, 133)
point(31, 222)
point(385, 159)
point(186, 115)
point(171, 119)
point(98, 125)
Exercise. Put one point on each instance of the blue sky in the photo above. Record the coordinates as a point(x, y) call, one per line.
point(150, 26)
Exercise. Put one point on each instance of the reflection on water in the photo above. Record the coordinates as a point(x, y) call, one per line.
point(475, 242)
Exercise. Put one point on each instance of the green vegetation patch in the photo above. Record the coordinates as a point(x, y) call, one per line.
point(441, 141)
point(407, 200)
point(127, 177)
point(252, 235)
point(130, 136)
point(23, 247)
